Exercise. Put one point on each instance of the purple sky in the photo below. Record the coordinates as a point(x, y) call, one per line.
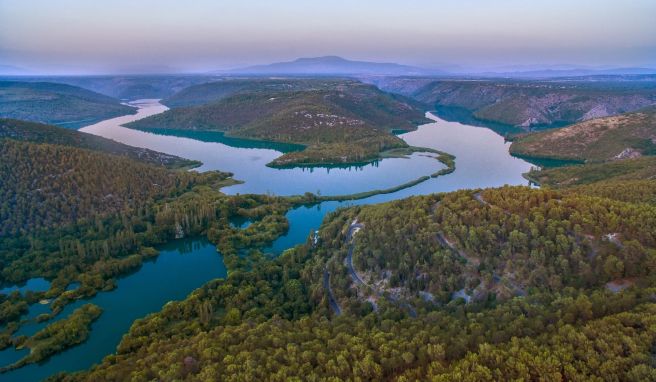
point(65, 36)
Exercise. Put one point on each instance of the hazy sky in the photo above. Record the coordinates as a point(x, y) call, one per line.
point(163, 35)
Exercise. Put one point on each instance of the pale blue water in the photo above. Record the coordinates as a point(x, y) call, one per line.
point(482, 160)
point(249, 163)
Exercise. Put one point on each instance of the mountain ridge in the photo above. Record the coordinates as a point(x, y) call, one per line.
point(331, 65)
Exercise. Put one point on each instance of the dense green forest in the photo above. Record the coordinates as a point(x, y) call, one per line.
point(620, 170)
point(41, 133)
point(339, 121)
point(55, 103)
point(623, 136)
point(88, 210)
point(45, 185)
point(497, 243)
point(539, 265)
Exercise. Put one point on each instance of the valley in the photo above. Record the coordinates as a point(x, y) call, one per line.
point(340, 122)
point(376, 248)
point(217, 191)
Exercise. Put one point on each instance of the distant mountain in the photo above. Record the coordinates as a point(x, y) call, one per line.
point(331, 65)
point(59, 104)
point(573, 72)
point(10, 70)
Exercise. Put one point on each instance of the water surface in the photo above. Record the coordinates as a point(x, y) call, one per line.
point(36, 284)
point(248, 162)
point(181, 267)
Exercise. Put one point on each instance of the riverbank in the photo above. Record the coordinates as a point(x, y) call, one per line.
point(445, 158)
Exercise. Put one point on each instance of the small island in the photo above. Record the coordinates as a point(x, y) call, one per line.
point(57, 337)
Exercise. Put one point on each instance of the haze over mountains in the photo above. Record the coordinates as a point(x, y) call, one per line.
point(334, 65)
point(340, 66)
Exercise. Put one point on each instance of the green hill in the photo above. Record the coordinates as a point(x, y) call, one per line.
point(45, 185)
point(216, 90)
point(40, 133)
point(533, 104)
point(340, 122)
point(623, 136)
point(496, 242)
point(54, 176)
point(627, 169)
point(556, 282)
point(60, 104)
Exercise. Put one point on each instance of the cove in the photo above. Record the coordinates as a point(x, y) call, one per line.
point(181, 267)
point(34, 285)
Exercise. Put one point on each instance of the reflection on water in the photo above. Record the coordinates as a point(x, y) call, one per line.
point(249, 164)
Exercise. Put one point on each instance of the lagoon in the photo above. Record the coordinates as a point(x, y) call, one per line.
point(181, 267)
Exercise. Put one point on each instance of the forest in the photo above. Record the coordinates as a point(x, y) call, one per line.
point(57, 336)
point(543, 307)
point(55, 225)
point(555, 283)
point(643, 168)
point(41, 133)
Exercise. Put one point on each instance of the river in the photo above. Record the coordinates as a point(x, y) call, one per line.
point(181, 267)
point(482, 160)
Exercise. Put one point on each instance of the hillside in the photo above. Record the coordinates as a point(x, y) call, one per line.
point(60, 104)
point(345, 122)
point(628, 169)
point(580, 266)
point(40, 133)
point(45, 185)
point(623, 136)
point(216, 90)
point(534, 104)
point(474, 245)
point(127, 87)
